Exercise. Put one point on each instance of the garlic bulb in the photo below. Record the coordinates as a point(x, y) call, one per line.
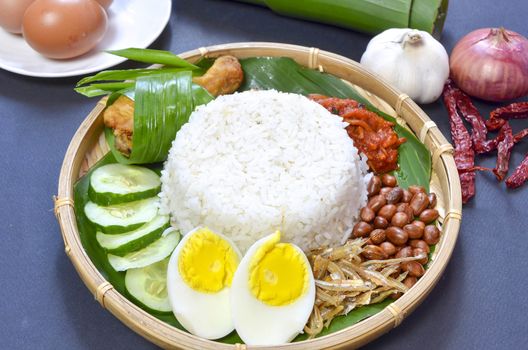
point(412, 60)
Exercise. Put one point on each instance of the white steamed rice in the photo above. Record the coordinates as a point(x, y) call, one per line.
point(251, 163)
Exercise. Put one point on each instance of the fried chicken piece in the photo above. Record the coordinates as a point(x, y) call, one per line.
point(120, 117)
point(224, 76)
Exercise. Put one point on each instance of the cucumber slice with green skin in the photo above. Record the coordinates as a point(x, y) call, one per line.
point(120, 183)
point(148, 286)
point(124, 217)
point(124, 243)
point(154, 252)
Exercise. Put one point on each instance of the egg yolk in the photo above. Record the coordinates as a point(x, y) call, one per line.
point(278, 274)
point(207, 262)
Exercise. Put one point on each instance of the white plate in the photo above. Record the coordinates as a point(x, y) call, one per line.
point(132, 23)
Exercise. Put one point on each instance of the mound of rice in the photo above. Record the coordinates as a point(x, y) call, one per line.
point(251, 163)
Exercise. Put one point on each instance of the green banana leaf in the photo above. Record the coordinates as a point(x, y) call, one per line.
point(371, 16)
point(284, 74)
point(429, 15)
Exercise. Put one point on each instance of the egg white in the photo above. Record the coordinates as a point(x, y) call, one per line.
point(260, 324)
point(207, 315)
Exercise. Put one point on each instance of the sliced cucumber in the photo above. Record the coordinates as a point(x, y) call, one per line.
point(148, 286)
point(120, 183)
point(124, 217)
point(123, 243)
point(154, 252)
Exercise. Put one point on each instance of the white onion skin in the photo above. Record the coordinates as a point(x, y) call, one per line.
point(491, 64)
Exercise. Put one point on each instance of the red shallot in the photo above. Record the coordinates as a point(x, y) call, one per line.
point(491, 64)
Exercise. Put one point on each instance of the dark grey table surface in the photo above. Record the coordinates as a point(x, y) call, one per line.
point(480, 302)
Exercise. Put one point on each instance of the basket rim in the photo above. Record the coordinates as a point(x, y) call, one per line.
point(357, 334)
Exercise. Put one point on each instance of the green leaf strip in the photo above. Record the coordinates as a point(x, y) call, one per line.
point(165, 58)
point(127, 74)
point(101, 89)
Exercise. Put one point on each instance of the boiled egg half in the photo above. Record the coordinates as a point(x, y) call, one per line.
point(199, 279)
point(273, 292)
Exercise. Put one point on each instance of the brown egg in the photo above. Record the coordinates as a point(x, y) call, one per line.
point(64, 28)
point(12, 13)
point(105, 3)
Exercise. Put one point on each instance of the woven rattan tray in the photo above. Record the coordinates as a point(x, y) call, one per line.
point(88, 146)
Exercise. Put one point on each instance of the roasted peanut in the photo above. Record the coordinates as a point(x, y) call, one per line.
point(432, 200)
point(387, 211)
point(418, 252)
point(419, 243)
point(407, 196)
point(410, 281)
point(362, 229)
point(388, 180)
point(395, 195)
point(406, 208)
point(414, 268)
point(405, 252)
point(419, 203)
point(431, 234)
point(419, 223)
point(400, 219)
point(388, 248)
point(385, 191)
point(373, 252)
point(396, 295)
point(396, 235)
point(378, 236)
point(367, 214)
point(428, 215)
point(376, 202)
point(374, 186)
point(380, 222)
point(414, 231)
point(414, 189)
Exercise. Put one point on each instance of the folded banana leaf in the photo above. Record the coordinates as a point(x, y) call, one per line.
point(371, 16)
point(163, 103)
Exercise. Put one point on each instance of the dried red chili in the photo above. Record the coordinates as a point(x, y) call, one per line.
point(520, 175)
point(516, 139)
point(479, 133)
point(372, 135)
point(464, 154)
point(520, 135)
point(499, 116)
point(504, 148)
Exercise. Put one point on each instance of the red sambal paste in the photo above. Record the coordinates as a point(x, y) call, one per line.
point(372, 135)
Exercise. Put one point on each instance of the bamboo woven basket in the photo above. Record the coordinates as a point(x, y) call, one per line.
point(88, 146)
